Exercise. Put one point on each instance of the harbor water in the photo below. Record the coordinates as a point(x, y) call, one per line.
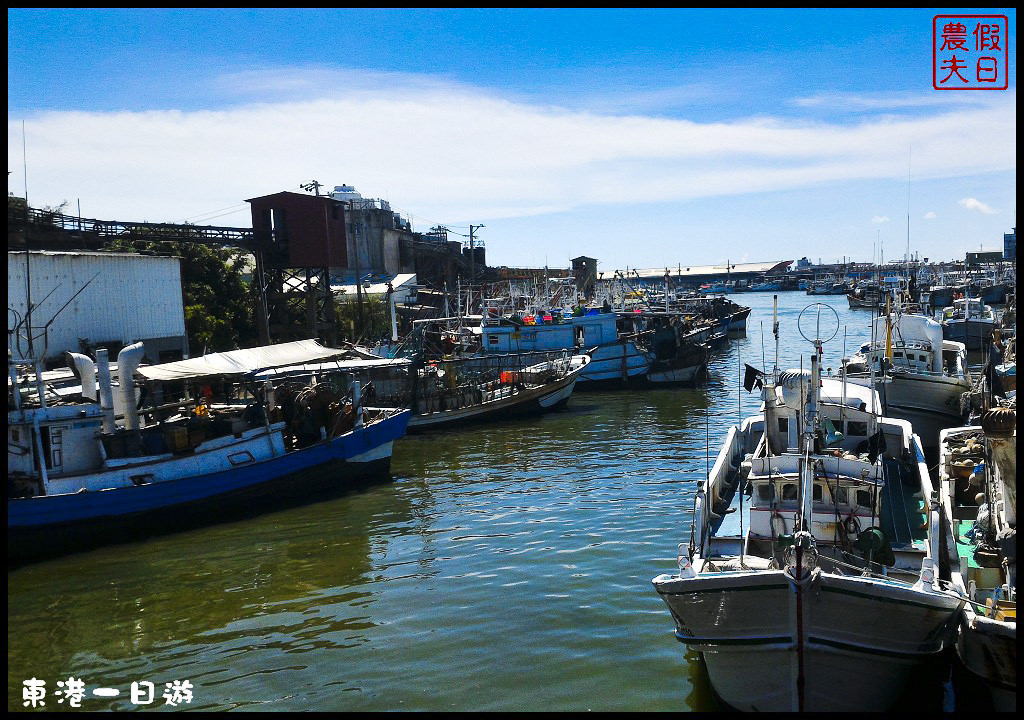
point(504, 567)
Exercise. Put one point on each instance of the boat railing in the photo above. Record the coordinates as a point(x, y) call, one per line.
point(456, 382)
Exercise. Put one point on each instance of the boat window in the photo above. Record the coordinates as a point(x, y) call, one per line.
point(922, 358)
point(819, 492)
point(784, 425)
point(842, 496)
point(864, 498)
point(492, 339)
point(897, 354)
point(766, 492)
point(860, 429)
point(789, 491)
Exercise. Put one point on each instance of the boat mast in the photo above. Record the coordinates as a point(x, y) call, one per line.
point(775, 331)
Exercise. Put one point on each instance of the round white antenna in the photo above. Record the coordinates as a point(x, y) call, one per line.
point(820, 328)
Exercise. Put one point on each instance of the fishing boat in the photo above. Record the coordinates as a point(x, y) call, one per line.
point(1006, 371)
point(809, 582)
point(978, 484)
point(455, 390)
point(993, 292)
point(919, 376)
point(829, 285)
point(628, 348)
point(678, 345)
point(731, 315)
point(940, 296)
point(446, 390)
point(866, 296)
point(78, 479)
point(970, 321)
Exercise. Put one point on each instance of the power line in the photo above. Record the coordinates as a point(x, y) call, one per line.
point(233, 208)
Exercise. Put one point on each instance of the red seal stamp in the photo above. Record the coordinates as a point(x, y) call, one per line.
point(970, 52)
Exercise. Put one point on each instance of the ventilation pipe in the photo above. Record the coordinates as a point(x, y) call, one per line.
point(127, 360)
point(106, 390)
point(85, 372)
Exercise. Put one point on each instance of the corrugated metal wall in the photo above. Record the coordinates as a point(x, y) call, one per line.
point(130, 298)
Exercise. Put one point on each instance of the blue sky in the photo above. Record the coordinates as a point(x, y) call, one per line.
point(640, 137)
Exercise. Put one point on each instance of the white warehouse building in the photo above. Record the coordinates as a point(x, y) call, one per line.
point(97, 298)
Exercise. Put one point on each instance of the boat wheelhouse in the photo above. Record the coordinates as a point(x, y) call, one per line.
point(919, 376)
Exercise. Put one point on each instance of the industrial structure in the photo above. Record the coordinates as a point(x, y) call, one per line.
point(61, 302)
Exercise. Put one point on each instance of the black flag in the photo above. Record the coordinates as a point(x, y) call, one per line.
point(876, 446)
point(751, 377)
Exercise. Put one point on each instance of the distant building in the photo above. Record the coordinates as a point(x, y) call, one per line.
point(1010, 246)
point(382, 244)
point(584, 270)
point(374, 235)
point(984, 256)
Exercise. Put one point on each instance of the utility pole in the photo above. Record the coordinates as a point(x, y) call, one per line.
point(312, 186)
point(472, 259)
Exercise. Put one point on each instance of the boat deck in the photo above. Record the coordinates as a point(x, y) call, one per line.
point(902, 518)
point(904, 511)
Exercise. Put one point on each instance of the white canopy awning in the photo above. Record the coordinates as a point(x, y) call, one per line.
point(243, 362)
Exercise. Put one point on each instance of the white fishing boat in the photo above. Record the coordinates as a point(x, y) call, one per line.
point(78, 479)
point(978, 482)
point(920, 376)
point(809, 582)
point(970, 321)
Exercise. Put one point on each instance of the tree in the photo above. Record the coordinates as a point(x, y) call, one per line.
point(219, 303)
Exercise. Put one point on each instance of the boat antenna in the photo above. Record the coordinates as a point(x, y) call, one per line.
point(707, 442)
point(906, 257)
point(28, 273)
point(740, 479)
point(762, 347)
point(775, 330)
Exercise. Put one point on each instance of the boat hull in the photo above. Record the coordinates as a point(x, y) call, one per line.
point(987, 649)
point(532, 400)
point(45, 526)
point(677, 376)
point(973, 333)
point(930, 402)
point(615, 364)
point(769, 646)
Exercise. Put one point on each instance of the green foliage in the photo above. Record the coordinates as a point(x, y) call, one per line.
point(376, 318)
point(219, 304)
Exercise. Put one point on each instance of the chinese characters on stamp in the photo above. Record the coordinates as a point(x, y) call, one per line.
point(970, 52)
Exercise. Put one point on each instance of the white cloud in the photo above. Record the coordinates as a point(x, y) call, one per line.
point(930, 215)
point(976, 205)
point(462, 155)
point(880, 219)
point(854, 102)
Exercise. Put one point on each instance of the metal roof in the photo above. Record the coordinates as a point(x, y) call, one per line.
point(694, 270)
